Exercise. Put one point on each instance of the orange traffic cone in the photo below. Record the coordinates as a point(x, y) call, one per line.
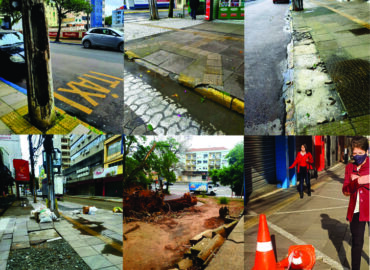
point(265, 256)
point(299, 257)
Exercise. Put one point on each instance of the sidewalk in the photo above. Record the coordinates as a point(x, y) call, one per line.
point(14, 115)
point(331, 69)
point(89, 241)
point(204, 56)
point(98, 198)
point(319, 220)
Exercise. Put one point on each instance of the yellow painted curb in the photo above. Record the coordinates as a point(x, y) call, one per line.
point(237, 106)
point(105, 239)
point(131, 55)
point(186, 80)
point(215, 95)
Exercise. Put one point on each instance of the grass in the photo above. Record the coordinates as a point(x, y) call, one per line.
point(223, 200)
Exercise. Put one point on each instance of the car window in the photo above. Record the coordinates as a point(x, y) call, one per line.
point(118, 32)
point(96, 31)
point(10, 38)
point(105, 31)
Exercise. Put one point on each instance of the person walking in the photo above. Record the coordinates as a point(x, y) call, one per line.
point(194, 4)
point(356, 185)
point(304, 161)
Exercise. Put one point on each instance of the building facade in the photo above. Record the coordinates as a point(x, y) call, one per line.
point(97, 15)
point(11, 144)
point(117, 17)
point(199, 161)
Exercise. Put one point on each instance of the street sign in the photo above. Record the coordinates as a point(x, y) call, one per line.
point(22, 171)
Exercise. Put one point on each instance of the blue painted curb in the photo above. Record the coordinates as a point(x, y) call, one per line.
point(16, 87)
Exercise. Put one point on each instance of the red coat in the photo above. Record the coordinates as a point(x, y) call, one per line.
point(353, 187)
point(301, 161)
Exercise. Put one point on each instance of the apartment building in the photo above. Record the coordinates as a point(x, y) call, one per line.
point(199, 161)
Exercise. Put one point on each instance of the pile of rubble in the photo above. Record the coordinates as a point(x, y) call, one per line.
point(204, 246)
point(145, 204)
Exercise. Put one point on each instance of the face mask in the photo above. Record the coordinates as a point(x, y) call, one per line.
point(359, 159)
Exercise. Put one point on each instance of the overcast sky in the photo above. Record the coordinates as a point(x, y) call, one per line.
point(111, 5)
point(215, 141)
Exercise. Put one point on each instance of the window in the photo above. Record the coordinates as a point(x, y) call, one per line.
point(114, 148)
point(205, 161)
point(205, 156)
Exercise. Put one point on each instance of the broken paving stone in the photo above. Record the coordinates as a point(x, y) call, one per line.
point(322, 121)
point(332, 119)
point(308, 92)
point(185, 264)
point(329, 82)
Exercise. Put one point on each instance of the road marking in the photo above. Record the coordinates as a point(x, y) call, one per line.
point(73, 104)
point(106, 75)
point(310, 210)
point(105, 239)
point(90, 85)
point(329, 198)
point(113, 84)
point(319, 255)
point(354, 19)
point(85, 95)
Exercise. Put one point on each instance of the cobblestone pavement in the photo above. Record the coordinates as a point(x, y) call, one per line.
point(340, 31)
point(147, 112)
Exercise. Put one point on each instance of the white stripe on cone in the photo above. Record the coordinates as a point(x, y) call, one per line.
point(264, 246)
point(297, 260)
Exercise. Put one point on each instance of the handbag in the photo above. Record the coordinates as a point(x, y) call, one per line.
point(312, 173)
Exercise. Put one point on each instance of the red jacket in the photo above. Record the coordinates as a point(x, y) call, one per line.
point(301, 161)
point(353, 187)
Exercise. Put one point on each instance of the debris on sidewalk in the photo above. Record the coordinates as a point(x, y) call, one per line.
point(117, 210)
point(204, 247)
point(43, 215)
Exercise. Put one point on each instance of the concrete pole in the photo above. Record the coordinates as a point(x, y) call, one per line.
point(40, 91)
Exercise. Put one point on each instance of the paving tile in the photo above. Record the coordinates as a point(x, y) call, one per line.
point(20, 245)
point(85, 251)
point(97, 262)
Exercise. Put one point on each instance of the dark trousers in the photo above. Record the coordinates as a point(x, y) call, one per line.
point(357, 230)
point(193, 13)
point(303, 176)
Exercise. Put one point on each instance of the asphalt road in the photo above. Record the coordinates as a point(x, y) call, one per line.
point(266, 40)
point(145, 15)
point(88, 84)
point(222, 191)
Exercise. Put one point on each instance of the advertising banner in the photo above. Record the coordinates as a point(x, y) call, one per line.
point(22, 171)
point(105, 172)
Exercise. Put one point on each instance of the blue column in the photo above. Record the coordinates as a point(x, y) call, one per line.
point(281, 159)
point(292, 155)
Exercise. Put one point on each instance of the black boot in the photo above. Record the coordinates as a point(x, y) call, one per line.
point(301, 194)
point(309, 192)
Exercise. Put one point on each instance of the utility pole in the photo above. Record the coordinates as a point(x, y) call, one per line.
point(48, 147)
point(32, 168)
point(40, 93)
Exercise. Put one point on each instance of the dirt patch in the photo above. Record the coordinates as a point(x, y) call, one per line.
point(161, 240)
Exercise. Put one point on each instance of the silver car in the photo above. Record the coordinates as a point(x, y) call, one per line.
point(103, 37)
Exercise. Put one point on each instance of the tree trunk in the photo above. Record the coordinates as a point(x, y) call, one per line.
point(153, 10)
point(170, 9)
point(59, 26)
point(40, 92)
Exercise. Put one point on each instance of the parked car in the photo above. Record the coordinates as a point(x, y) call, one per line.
point(12, 52)
point(103, 37)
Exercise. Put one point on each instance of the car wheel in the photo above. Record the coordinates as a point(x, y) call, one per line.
point(120, 47)
point(87, 44)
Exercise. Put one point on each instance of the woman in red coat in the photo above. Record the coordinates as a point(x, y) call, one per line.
point(356, 185)
point(304, 161)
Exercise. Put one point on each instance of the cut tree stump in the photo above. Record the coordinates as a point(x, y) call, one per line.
point(185, 264)
point(198, 237)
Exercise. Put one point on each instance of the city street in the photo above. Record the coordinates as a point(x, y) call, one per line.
point(267, 34)
point(179, 69)
point(89, 241)
point(88, 84)
point(319, 220)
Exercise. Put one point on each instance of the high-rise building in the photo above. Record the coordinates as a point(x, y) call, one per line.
point(12, 145)
point(62, 143)
point(199, 161)
point(97, 15)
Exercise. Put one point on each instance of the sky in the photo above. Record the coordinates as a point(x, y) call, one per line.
point(215, 141)
point(111, 5)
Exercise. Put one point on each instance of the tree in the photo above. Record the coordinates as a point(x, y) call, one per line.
point(7, 8)
point(108, 20)
point(233, 174)
point(165, 158)
point(153, 10)
point(67, 6)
